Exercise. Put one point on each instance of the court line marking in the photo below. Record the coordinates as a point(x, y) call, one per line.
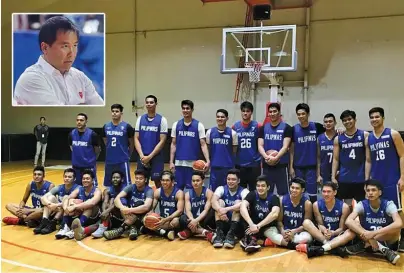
point(93, 261)
point(17, 171)
point(181, 263)
point(30, 266)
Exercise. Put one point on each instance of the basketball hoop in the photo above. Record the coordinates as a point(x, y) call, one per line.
point(254, 70)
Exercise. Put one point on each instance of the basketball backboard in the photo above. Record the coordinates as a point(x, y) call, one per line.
point(273, 45)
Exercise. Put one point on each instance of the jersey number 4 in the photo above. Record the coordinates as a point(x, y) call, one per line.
point(245, 143)
point(352, 154)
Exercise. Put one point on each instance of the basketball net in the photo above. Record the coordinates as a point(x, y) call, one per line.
point(254, 70)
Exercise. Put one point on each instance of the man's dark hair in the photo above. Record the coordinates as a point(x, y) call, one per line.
point(332, 185)
point(247, 105)
point(374, 182)
point(330, 115)
point(39, 168)
point(275, 105)
point(83, 115)
point(224, 111)
point(40, 119)
point(117, 106)
point(151, 97)
point(49, 29)
point(235, 172)
point(303, 106)
point(89, 172)
point(70, 170)
point(263, 178)
point(199, 173)
point(189, 103)
point(299, 181)
point(347, 114)
point(377, 110)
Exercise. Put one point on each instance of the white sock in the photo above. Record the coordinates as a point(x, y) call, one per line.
point(162, 231)
point(382, 248)
point(204, 232)
point(325, 241)
point(327, 247)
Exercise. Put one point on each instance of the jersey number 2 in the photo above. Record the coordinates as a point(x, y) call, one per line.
point(113, 142)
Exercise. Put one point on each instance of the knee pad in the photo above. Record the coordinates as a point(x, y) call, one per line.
point(273, 234)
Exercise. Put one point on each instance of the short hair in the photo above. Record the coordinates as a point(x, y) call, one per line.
point(49, 29)
point(82, 114)
point(347, 114)
point(140, 172)
point(303, 106)
point(199, 173)
point(330, 115)
point(374, 182)
point(118, 172)
point(299, 181)
point(275, 105)
point(224, 111)
point(334, 186)
point(261, 178)
point(151, 97)
point(377, 110)
point(40, 169)
point(89, 172)
point(117, 106)
point(190, 103)
point(169, 173)
point(236, 172)
point(247, 105)
point(70, 170)
point(42, 118)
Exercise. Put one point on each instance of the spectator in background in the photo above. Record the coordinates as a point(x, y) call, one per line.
point(41, 132)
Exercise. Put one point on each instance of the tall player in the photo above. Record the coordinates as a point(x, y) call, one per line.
point(325, 147)
point(118, 139)
point(223, 142)
point(248, 158)
point(187, 139)
point(85, 146)
point(351, 159)
point(387, 157)
point(275, 135)
point(150, 136)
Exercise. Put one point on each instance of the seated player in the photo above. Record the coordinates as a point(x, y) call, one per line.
point(111, 215)
point(25, 214)
point(171, 205)
point(260, 211)
point(197, 206)
point(330, 214)
point(379, 222)
point(295, 208)
point(133, 202)
point(226, 202)
point(53, 203)
point(87, 213)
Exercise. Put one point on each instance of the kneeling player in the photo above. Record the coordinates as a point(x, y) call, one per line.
point(260, 210)
point(226, 202)
point(25, 214)
point(295, 208)
point(379, 225)
point(197, 206)
point(87, 213)
point(133, 202)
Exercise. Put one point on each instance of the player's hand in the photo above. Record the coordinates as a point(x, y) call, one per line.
point(340, 131)
point(207, 166)
point(193, 225)
point(19, 213)
point(401, 184)
point(222, 211)
point(172, 167)
point(224, 217)
point(320, 180)
point(273, 160)
point(292, 172)
point(334, 180)
point(367, 235)
point(252, 230)
point(146, 159)
point(374, 245)
point(71, 208)
point(160, 223)
point(104, 215)
point(125, 211)
point(328, 234)
point(53, 206)
point(286, 235)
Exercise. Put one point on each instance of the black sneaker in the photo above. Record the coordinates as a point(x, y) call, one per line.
point(244, 242)
point(43, 224)
point(230, 240)
point(401, 245)
point(253, 246)
point(114, 233)
point(133, 234)
point(339, 251)
point(391, 256)
point(356, 248)
point(32, 223)
point(50, 227)
point(218, 239)
point(314, 251)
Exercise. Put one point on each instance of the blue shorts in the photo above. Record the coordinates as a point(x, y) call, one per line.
point(392, 193)
point(310, 176)
point(277, 177)
point(183, 177)
point(155, 169)
point(218, 177)
point(123, 167)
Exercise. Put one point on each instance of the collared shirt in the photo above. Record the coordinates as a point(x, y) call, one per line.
point(42, 84)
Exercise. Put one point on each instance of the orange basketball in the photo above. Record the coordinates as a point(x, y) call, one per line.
point(74, 202)
point(151, 219)
point(272, 153)
point(199, 165)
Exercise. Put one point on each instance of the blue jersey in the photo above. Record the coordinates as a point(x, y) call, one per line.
point(247, 152)
point(221, 148)
point(352, 157)
point(149, 133)
point(230, 200)
point(168, 204)
point(36, 194)
point(83, 196)
point(385, 159)
point(187, 140)
point(62, 192)
point(273, 140)
point(262, 205)
point(117, 146)
point(83, 153)
point(113, 191)
point(371, 220)
point(326, 156)
point(293, 217)
point(136, 195)
point(197, 202)
point(331, 218)
point(305, 143)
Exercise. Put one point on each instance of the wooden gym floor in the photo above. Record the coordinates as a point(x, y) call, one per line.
point(22, 251)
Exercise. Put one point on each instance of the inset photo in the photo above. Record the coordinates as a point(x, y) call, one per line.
point(58, 59)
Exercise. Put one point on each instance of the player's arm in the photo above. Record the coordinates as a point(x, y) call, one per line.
point(206, 209)
point(351, 223)
point(163, 138)
point(318, 159)
point(179, 196)
point(291, 157)
point(96, 144)
point(147, 204)
point(244, 211)
point(188, 208)
point(319, 218)
point(70, 140)
point(156, 197)
point(368, 162)
point(308, 212)
point(138, 145)
point(261, 149)
point(215, 198)
point(131, 133)
point(107, 203)
point(398, 142)
point(25, 196)
point(91, 202)
point(204, 146)
point(397, 223)
point(280, 218)
point(335, 160)
point(287, 139)
point(235, 141)
point(103, 135)
point(345, 212)
point(45, 199)
point(73, 195)
point(117, 201)
point(236, 207)
point(173, 145)
point(273, 215)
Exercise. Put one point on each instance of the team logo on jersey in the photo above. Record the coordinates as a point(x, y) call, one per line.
point(336, 212)
point(359, 138)
point(252, 128)
point(122, 127)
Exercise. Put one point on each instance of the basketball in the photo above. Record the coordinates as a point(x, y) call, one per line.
point(74, 202)
point(272, 153)
point(151, 219)
point(199, 165)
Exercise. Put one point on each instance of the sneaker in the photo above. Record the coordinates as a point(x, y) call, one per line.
point(44, 223)
point(69, 235)
point(78, 230)
point(50, 227)
point(391, 256)
point(32, 223)
point(62, 232)
point(356, 248)
point(185, 234)
point(171, 235)
point(301, 248)
point(9, 220)
point(229, 241)
point(252, 246)
point(133, 234)
point(218, 239)
point(113, 233)
point(244, 242)
point(209, 236)
point(339, 251)
point(268, 243)
point(100, 231)
point(401, 245)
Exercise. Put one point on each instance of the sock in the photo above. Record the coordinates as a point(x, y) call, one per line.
point(402, 234)
point(162, 232)
point(327, 247)
point(233, 226)
point(90, 229)
point(219, 225)
point(291, 245)
point(83, 219)
point(105, 223)
point(67, 220)
point(204, 231)
point(382, 248)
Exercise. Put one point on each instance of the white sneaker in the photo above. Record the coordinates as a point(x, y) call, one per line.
point(62, 232)
point(100, 231)
point(70, 234)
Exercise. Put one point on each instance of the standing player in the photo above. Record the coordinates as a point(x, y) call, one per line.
point(222, 141)
point(260, 211)
point(25, 214)
point(118, 139)
point(351, 159)
point(275, 135)
point(41, 132)
point(187, 139)
point(379, 225)
point(85, 146)
point(150, 136)
point(387, 157)
point(325, 147)
point(303, 151)
point(248, 158)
